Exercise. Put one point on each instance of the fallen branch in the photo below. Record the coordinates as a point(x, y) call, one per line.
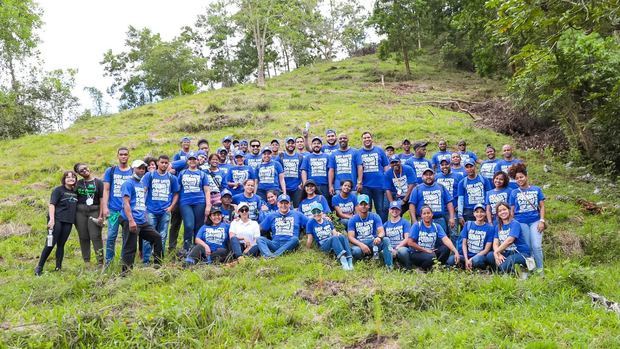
point(453, 105)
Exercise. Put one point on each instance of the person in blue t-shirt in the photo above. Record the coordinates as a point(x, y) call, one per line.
point(397, 230)
point(406, 154)
point(500, 193)
point(442, 154)
point(331, 139)
point(311, 195)
point(389, 151)
point(254, 158)
point(133, 218)
point(228, 210)
point(238, 174)
point(344, 202)
point(367, 235)
point(216, 179)
point(269, 175)
point(327, 238)
point(428, 242)
point(112, 200)
point(211, 243)
point(456, 164)
point(284, 226)
point(466, 155)
point(186, 143)
point(162, 194)
point(450, 181)
point(509, 246)
point(253, 201)
point(528, 206)
point(194, 198)
point(437, 197)
point(418, 162)
point(487, 167)
point(291, 165)
point(472, 189)
point(341, 165)
point(314, 167)
point(399, 182)
point(477, 241)
point(372, 163)
point(504, 164)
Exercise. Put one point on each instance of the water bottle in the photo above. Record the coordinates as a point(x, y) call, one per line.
point(50, 237)
point(96, 221)
point(375, 252)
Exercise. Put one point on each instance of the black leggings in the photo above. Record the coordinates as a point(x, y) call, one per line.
point(61, 234)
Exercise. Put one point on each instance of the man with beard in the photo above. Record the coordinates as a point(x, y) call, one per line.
point(406, 154)
point(291, 164)
point(284, 226)
point(331, 139)
point(443, 153)
point(314, 167)
point(371, 165)
point(341, 165)
point(434, 195)
point(399, 182)
point(254, 158)
point(418, 162)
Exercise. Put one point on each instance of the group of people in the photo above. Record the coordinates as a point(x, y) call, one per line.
point(246, 200)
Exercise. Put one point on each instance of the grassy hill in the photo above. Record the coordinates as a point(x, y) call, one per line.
point(304, 299)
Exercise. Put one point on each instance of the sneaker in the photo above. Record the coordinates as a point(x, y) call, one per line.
point(38, 270)
point(344, 262)
point(350, 261)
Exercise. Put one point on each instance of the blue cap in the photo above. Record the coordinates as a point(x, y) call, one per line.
point(394, 158)
point(266, 149)
point(288, 139)
point(470, 161)
point(186, 139)
point(330, 131)
point(239, 153)
point(317, 139)
point(243, 141)
point(225, 192)
point(446, 160)
point(316, 206)
point(479, 206)
point(284, 197)
point(201, 153)
point(227, 138)
point(192, 154)
point(363, 198)
point(396, 204)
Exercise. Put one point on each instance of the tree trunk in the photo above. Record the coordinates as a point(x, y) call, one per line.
point(419, 38)
point(406, 59)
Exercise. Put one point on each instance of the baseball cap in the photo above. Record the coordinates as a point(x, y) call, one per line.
point(479, 206)
point(227, 139)
point(428, 169)
point(274, 141)
point(395, 204)
point(330, 132)
point(470, 162)
point(310, 182)
point(222, 149)
point(417, 145)
point(239, 153)
point(138, 163)
point(394, 158)
point(316, 206)
point(242, 205)
point(266, 149)
point(316, 138)
point(226, 192)
point(289, 139)
point(389, 147)
point(363, 198)
point(192, 154)
point(243, 141)
point(186, 139)
point(284, 197)
point(215, 209)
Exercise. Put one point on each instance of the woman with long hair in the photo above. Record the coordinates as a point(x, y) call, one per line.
point(509, 246)
point(89, 215)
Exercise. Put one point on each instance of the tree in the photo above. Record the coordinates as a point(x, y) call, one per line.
point(101, 107)
point(341, 26)
point(16, 118)
point(54, 97)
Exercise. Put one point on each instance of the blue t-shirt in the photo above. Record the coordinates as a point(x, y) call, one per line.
point(306, 204)
point(239, 174)
point(526, 203)
point(181, 155)
point(494, 197)
point(116, 181)
point(315, 166)
point(425, 236)
point(477, 237)
point(192, 185)
point(178, 166)
point(225, 168)
point(436, 196)
point(291, 165)
point(487, 169)
point(346, 205)
point(458, 170)
point(473, 191)
point(216, 236)
point(513, 229)
point(216, 179)
point(450, 182)
point(404, 157)
point(418, 164)
point(396, 231)
point(137, 200)
point(160, 190)
point(466, 155)
point(253, 160)
point(284, 227)
point(254, 204)
point(440, 155)
point(268, 174)
point(344, 166)
point(398, 184)
point(504, 165)
point(320, 231)
point(329, 149)
point(373, 162)
point(365, 229)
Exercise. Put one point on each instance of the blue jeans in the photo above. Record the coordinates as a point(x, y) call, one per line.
point(193, 219)
point(477, 262)
point(237, 249)
point(110, 245)
point(160, 223)
point(338, 244)
point(377, 196)
point(384, 249)
point(508, 265)
point(403, 257)
point(269, 248)
point(533, 238)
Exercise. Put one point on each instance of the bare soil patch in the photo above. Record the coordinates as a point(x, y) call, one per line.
point(374, 341)
point(13, 229)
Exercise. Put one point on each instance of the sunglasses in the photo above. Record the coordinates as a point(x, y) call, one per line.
point(123, 154)
point(255, 145)
point(244, 210)
point(316, 211)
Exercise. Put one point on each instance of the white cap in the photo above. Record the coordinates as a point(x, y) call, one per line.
point(137, 163)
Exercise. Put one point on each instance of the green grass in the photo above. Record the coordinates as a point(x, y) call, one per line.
point(303, 300)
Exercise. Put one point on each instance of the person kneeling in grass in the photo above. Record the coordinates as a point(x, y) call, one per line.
point(509, 244)
point(284, 227)
point(429, 242)
point(327, 238)
point(211, 243)
point(367, 235)
point(477, 240)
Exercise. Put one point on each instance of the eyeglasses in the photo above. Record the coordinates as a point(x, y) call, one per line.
point(83, 169)
point(244, 210)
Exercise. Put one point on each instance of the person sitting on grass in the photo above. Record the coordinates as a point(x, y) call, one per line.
point(509, 246)
point(477, 240)
point(429, 242)
point(284, 227)
point(244, 233)
point(397, 230)
point(367, 235)
point(327, 238)
point(211, 243)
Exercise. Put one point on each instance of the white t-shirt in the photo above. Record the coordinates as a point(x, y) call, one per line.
point(250, 230)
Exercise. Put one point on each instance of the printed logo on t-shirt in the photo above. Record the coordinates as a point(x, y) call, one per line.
point(395, 234)
point(346, 207)
point(267, 174)
point(364, 229)
point(503, 235)
point(370, 162)
point(291, 167)
point(419, 168)
point(494, 199)
point(475, 240)
point(432, 198)
point(239, 176)
point(448, 183)
point(318, 167)
point(306, 209)
point(475, 192)
point(215, 235)
point(254, 163)
point(528, 201)
point(486, 169)
point(400, 183)
point(323, 232)
point(140, 199)
point(343, 163)
point(119, 180)
point(160, 189)
point(191, 183)
point(427, 239)
point(284, 226)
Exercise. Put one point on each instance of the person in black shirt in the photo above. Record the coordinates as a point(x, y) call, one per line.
point(62, 208)
point(89, 215)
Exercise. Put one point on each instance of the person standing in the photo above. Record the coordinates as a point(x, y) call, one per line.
point(254, 158)
point(371, 164)
point(442, 154)
point(291, 165)
point(238, 174)
point(194, 199)
point(341, 165)
point(504, 164)
point(487, 168)
point(406, 154)
point(466, 155)
point(419, 162)
point(269, 175)
point(89, 215)
point(186, 143)
point(331, 139)
point(314, 168)
point(435, 196)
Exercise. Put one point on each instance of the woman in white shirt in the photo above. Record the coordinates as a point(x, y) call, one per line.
point(243, 233)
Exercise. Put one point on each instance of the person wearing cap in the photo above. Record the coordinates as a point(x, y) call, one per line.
point(112, 199)
point(466, 154)
point(314, 167)
point(341, 165)
point(227, 208)
point(477, 242)
point(472, 191)
point(226, 160)
point(226, 143)
point(203, 145)
point(332, 142)
point(509, 242)
point(269, 175)
point(211, 242)
point(312, 194)
point(344, 202)
point(429, 242)
point(456, 164)
point(434, 195)
point(418, 162)
point(243, 146)
point(442, 154)
point(186, 143)
point(327, 238)
point(223, 156)
point(366, 233)
point(291, 165)
point(397, 230)
point(505, 162)
point(134, 219)
point(216, 179)
point(162, 194)
point(487, 167)
point(244, 233)
point(500, 193)
point(450, 180)
point(372, 163)
point(389, 151)
point(406, 154)
point(399, 182)
point(284, 226)
point(248, 197)
point(275, 148)
point(254, 157)
point(238, 174)
point(194, 199)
